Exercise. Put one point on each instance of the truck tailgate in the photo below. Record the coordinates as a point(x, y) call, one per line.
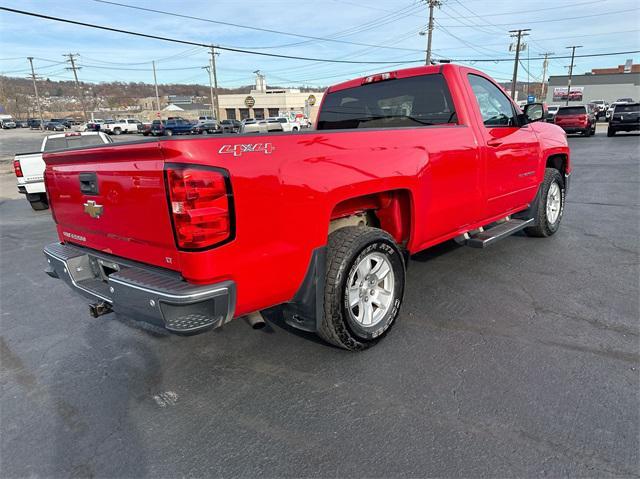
point(32, 166)
point(113, 199)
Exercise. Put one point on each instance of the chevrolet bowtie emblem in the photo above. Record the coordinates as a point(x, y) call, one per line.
point(92, 209)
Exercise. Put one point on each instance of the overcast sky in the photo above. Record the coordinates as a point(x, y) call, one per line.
point(466, 29)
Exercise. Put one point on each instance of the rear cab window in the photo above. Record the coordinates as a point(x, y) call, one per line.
point(72, 142)
point(401, 102)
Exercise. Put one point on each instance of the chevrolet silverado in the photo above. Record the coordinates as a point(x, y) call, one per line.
point(191, 233)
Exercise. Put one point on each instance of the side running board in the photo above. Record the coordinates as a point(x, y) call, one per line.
point(497, 232)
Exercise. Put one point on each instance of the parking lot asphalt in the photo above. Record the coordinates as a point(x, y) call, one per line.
point(518, 360)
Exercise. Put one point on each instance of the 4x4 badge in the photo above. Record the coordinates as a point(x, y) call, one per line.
point(92, 209)
point(240, 148)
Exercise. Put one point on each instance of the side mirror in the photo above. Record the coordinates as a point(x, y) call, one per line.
point(534, 112)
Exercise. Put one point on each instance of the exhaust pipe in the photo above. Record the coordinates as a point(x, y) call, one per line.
point(98, 309)
point(256, 321)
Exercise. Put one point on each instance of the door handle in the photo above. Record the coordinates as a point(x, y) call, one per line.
point(494, 142)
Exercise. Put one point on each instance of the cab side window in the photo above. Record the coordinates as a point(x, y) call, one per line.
point(496, 109)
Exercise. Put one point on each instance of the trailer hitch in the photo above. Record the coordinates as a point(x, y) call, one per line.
point(98, 309)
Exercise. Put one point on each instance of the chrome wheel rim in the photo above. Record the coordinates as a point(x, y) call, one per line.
point(370, 289)
point(553, 203)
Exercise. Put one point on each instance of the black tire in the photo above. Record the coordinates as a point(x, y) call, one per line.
point(117, 131)
point(168, 132)
point(611, 132)
point(543, 227)
point(38, 202)
point(346, 248)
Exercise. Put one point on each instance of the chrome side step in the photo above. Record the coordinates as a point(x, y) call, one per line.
point(498, 232)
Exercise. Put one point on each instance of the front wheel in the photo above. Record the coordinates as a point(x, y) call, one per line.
point(611, 131)
point(169, 132)
point(364, 287)
point(550, 205)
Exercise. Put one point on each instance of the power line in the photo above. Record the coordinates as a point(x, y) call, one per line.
point(247, 27)
point(520, 12)
point(187, 42)
point(553, 19)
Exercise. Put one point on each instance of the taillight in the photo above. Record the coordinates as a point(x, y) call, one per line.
point(201, 206)
point(17, 168)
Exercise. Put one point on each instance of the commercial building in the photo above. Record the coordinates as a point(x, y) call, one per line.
point(606, 84)
point(262, 102)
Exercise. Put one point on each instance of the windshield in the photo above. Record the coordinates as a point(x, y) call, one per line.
point(407, 102)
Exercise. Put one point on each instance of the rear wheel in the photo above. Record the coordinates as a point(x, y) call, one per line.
point(550, 205)
point(38, 201)
point(364, 287)
point(117, 131)
point(169, 132)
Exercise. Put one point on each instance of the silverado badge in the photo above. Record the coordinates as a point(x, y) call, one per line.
point(92, 209)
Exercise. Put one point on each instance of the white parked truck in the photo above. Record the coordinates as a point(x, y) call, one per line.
point(116, 127)
point(29, 167)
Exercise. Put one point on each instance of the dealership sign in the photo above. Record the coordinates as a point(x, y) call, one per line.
point(560, 93)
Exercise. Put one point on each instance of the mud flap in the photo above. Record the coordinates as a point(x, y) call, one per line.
point(306, 309)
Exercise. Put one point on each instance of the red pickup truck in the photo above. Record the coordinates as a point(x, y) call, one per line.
point(191, 233)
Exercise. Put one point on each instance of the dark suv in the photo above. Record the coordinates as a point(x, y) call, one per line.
point(625, 117)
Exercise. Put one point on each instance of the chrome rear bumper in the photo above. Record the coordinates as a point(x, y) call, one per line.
point(141, 292)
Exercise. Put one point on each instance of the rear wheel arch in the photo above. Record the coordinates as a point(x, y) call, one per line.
point(391, 211)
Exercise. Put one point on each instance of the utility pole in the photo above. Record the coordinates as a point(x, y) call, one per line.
point(573, 54)
point(75, 69)
point(155, 81)
point(519, 34)
point(35, 89)
point(213, 108)
point(214, 94)
point(545, 66)
point(432, 4)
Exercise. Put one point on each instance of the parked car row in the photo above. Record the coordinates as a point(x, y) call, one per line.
point(624, 116)
point(169, 127)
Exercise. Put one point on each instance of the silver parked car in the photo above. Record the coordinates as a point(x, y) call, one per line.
point(261, 126)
